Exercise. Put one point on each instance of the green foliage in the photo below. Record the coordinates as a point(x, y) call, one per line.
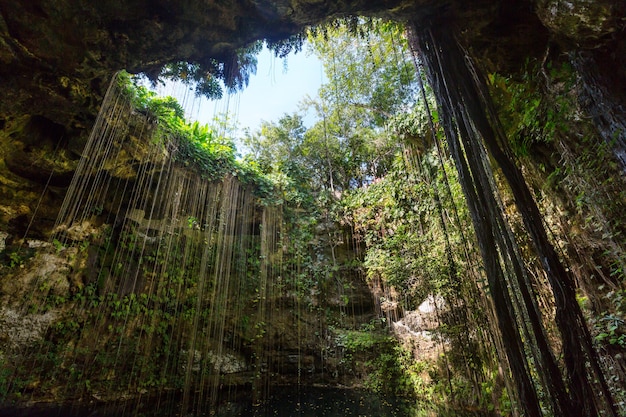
point(372, 76)
point(359, 341)
point(199, 147)
point(348, 146)
point(347, 172)
point(15, 256)
point(205, 82)
point(5, 382)
point(129, 333)
point(207, 77)
point(15, 259)
point(369, 165)
point(278, 147)
point(542, 115)
point(610, 326)
point(363, 91)
point(529, 116)
point(397, 218)
point(283, 47)
point(388, 373)
point(387, 364)
point(58, 246)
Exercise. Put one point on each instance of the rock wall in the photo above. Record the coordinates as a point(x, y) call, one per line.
point(134, 298)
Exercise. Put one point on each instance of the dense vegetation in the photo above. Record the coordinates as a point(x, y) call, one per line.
point(375, 164)
point(209, 153)
point(372, 171)
point(370, 174)
point(368, 192)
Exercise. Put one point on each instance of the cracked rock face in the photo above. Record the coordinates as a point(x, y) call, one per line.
point(20, 331)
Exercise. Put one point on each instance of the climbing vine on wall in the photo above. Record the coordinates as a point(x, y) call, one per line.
point(198, 146)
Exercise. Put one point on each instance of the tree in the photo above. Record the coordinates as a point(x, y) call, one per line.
point(370, 78)
point(274, 145)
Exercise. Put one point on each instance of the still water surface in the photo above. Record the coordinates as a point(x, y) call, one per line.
point(285, 402)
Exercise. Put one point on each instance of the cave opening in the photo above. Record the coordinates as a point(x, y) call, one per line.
point(169, 261)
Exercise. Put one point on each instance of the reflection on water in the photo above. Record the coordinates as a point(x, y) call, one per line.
point(285, 402)
point(314, 402)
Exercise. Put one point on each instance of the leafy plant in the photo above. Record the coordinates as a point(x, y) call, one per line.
point(199, 146)
point(529, 116)
point(16, 259)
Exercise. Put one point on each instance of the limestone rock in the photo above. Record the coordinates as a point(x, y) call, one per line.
point(47, 273)
point(585, 22)
point(18, 331)
point(3, 239)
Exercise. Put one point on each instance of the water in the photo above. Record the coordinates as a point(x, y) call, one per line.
point(286, 402)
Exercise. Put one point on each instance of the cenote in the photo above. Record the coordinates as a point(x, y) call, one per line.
point(439, 231)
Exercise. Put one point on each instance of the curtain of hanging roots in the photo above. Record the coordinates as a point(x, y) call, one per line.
point(468, 119)
point(469, 304)
point(171, 255)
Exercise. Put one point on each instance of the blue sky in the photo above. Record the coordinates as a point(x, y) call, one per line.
point(276, 89)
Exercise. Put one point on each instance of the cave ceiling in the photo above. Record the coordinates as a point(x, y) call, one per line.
point(57, 56)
